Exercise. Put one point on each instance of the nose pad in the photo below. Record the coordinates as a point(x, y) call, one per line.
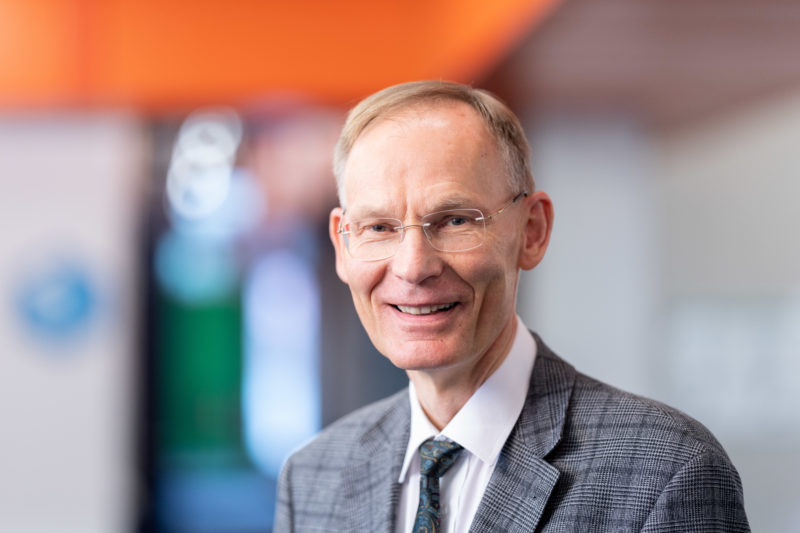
point(423, 237)
point(412, 226)
point(415, 258)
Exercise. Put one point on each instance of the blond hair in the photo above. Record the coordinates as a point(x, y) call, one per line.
point(500, 121)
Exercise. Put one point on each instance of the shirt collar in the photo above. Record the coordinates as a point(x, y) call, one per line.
point(484, 423)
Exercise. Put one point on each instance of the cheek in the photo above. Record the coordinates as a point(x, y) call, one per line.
point(493, 280)
point(491, 265)
point(363, 277)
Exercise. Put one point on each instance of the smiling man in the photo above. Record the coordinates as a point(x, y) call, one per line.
point(438, 215)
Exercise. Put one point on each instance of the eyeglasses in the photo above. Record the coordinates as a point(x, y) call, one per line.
point(452, 230)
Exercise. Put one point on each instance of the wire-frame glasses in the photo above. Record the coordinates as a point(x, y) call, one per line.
point(451, 230)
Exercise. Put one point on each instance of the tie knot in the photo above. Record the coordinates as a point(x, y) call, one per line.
point(437, 456)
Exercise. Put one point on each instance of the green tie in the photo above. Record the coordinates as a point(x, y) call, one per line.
point(435, 458)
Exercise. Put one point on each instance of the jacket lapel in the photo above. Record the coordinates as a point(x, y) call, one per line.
point(523, 481)
point(370, 488)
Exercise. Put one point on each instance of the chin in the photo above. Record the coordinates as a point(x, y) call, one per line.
point(422, 355)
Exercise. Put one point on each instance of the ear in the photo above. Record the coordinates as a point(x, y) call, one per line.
point(338, 241)
point(536, 234)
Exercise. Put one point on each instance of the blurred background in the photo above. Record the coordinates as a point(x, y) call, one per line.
point(170, 323)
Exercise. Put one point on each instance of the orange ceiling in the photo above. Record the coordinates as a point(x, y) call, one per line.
point(165, 53)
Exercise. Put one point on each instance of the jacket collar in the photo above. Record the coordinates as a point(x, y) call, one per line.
point(523, 481)
point(371, 491)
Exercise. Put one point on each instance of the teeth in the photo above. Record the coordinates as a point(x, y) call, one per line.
point(425, 309)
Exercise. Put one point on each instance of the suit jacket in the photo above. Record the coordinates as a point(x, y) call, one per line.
point(582, 457)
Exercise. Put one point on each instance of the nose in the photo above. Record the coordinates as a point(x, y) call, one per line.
point(415, 259)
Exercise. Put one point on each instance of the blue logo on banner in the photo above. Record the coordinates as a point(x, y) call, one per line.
point(57, 302)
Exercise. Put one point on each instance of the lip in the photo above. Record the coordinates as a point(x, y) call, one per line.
point(424, 304)
point(438, 318)
point(419, 302)
point(425, 309)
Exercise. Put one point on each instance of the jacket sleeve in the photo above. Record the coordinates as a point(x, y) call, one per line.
point(284, 522)
point(704, 496)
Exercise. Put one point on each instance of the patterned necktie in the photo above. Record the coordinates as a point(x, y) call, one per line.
point(435, 458)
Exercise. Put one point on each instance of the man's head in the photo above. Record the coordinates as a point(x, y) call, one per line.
point(437, 297)
point(500, 122)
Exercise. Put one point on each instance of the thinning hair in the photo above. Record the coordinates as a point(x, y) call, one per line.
point(500, 121)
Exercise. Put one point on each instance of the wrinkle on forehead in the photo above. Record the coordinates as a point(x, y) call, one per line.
point(457, 200)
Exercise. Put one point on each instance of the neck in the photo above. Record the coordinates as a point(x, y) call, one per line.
point(443, 392)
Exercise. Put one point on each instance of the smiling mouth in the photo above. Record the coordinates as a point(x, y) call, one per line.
point(424, 309)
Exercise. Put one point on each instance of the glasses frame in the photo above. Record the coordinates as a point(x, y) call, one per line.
point(401, 228)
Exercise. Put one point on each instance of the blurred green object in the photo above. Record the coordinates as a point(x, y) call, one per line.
point(199, 376)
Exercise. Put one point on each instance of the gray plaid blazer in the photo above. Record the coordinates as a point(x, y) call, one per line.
point(582, 457)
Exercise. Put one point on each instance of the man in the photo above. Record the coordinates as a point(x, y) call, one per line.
point(495, 432)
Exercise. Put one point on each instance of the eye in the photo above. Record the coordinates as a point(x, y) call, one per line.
point(378, 228)
point(456, 220)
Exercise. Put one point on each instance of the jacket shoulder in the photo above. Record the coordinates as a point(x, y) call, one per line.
point(353, 430)
point(598, 413)
point(599, 409)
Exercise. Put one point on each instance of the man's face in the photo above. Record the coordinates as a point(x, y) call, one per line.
point(418, 162)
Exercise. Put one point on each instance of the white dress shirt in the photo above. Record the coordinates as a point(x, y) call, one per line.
point(482, 427)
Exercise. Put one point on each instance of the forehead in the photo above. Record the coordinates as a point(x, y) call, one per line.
point(421, 156)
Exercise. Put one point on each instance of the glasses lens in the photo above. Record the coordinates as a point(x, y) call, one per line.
point(455, 230)
point(373, 239)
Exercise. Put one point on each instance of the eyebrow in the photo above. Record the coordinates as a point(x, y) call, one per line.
point(369, 212)
point(456, 203)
